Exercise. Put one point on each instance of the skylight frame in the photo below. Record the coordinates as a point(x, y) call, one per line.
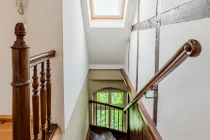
point(94, 17)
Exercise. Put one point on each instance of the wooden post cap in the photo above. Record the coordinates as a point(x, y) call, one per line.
point(20, 32)
point(20, 29)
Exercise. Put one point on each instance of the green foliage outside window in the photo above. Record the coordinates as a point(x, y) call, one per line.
point(117, 98)
point(103, 97)
point(116, 116)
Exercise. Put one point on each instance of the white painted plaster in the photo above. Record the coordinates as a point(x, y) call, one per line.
point(184, 107)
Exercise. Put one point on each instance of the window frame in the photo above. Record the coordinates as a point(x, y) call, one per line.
point(120, 17)
point(110, 91)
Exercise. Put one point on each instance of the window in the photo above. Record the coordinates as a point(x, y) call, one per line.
point(107, 9)
point(108, 116)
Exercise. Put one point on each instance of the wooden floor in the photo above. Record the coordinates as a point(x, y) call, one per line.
point(6, 131)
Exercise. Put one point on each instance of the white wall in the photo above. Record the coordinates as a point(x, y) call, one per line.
point(146, 52)
point(75, 54)
point(79, 123)
point(184, 108)
point(44, 27)
point(132, 58)
point(147, 9)
point(146, 64)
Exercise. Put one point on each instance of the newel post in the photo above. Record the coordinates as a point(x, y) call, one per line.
point(20, 86)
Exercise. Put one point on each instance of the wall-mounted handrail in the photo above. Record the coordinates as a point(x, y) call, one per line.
point(37, 59)
point(143, 110)
point(192, 48)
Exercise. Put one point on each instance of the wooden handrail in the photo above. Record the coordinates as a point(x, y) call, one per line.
point(37, 59)
point(192, 48)
point(143, 110)
point(95, 102)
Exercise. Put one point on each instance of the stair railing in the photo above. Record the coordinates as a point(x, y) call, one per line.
point(109, 116)
point(21, 64)
point(146, 119)
point(192, 48)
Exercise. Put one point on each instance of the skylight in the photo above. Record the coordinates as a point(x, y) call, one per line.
point(107, 9)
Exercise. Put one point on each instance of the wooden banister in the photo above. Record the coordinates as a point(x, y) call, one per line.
point(37, 59)
point(21, 64)
point(20, 86)
point(143, 111)
point(192, 48)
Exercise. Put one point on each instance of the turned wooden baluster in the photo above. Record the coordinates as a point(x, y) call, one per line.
point(35, 102)
point(20, 86)
point(48, 86)
point(43, 100)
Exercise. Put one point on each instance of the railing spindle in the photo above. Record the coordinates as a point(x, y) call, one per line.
point(118, 120)
point(43, 100)
point(122, 120)
point(96, 115)
point(20, 86)
point(110, 120)
point(48, 87)
point(100, 115)
point(35, 102)
point(114, 119)
point(105, 115)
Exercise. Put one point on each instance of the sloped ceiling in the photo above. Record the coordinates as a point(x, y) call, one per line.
point(107, 45)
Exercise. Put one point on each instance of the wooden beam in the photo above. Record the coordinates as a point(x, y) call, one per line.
point(191, 11)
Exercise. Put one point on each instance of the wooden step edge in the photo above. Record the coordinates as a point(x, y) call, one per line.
point(102, 127)
point(56, 134)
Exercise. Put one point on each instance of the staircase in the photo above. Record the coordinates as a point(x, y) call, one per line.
point(132, 122)
point(139, 123)
point(103, 133)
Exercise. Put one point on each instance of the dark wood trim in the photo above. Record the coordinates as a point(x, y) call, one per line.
point(147, 119)
point(37, 59)
point(191, 11)
point(192, 48)
point(95, 102)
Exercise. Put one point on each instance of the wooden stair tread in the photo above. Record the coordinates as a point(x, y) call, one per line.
point(118, 135)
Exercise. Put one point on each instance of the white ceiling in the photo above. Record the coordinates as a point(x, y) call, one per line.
point(107, 44)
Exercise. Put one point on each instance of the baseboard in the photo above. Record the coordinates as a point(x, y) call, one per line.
point(8, 118)
point(5, 118)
